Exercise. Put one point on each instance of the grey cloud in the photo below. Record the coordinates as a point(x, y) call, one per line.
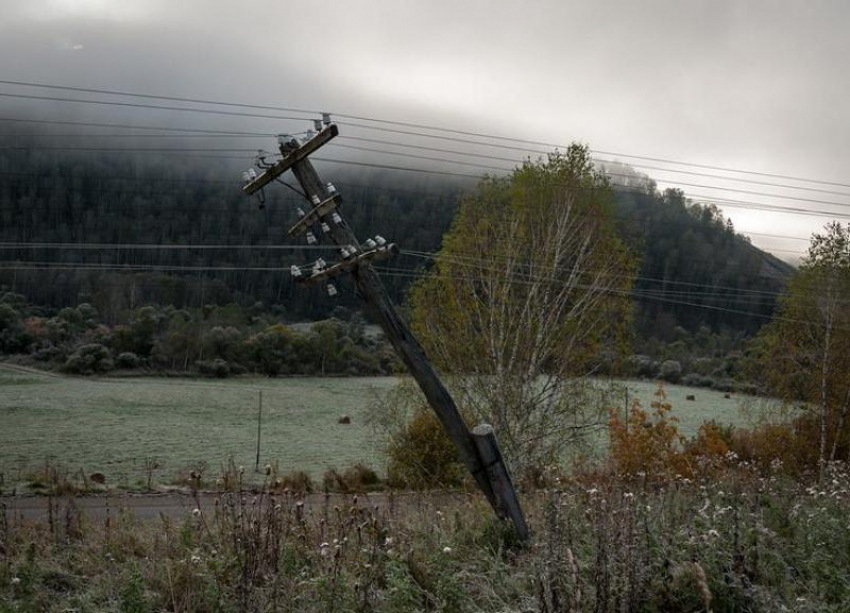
point(758, 84)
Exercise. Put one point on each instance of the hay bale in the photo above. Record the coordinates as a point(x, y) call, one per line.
point(98, 478)
point(345, 419)
point(690, 397)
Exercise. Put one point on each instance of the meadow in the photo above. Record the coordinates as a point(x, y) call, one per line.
point(112, 425)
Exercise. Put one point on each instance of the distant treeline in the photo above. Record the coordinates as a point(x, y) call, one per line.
point(216, 341)
point(689, 252)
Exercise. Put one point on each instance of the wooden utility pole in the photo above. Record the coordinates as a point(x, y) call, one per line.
point(479, 453)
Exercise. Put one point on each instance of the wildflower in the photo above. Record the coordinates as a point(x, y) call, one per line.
point(324, 550)
point(447, 549)
point(388, 541)
point(16, 580)
point(195, 559)
point(241, 470)
point(713, 533)
point(592, 491)
point(196, 512)
point(268, 469)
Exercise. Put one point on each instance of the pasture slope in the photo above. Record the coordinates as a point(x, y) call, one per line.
point(112, 425)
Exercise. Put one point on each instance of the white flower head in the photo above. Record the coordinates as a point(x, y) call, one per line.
point(196, 512)
point(447, 549)
point(16, 580)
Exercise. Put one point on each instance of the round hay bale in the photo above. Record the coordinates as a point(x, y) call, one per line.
point(345, 419)
point(98, 478)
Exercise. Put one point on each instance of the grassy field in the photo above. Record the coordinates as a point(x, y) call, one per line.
point(112, 425)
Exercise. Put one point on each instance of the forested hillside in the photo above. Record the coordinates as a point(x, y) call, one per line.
point(692, 257)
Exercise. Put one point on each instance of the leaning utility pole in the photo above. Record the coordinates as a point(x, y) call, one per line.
point(477, 449)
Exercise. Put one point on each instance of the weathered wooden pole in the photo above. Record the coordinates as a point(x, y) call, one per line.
point(490, 474)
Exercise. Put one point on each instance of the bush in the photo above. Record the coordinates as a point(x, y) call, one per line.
point(89, 359)
point(422, 456)
point(647, 445)
point(642, 366)
point(127, 359)
point(213, 368)
point(295, 481)
point(697, 380)
point(670, 370)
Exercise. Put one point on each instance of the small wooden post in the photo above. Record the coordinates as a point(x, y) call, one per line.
point(503, 487)
point(259, 428)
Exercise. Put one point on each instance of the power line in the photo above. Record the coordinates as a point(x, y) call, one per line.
point(101, 246)
point(547, 145)
point(147, 180)
point(184, 150)
point(699, 198)
point(672, 182)
point(597, 160)
point(190, 134)
point(391, 271)
point(112, 92)
point(48, 265)
point(124, 126)
point(472, 258)
point(140, 105)
point(402, 273)
point(199, 132)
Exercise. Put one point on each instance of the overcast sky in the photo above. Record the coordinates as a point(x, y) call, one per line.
point(757, 85)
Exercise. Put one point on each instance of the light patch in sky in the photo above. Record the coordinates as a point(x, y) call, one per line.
point(108, 10)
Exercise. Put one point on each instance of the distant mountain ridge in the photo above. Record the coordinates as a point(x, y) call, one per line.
point(689, 252)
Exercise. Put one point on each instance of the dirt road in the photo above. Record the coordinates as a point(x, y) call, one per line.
point(177, 505)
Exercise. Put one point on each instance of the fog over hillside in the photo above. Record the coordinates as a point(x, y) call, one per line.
point(751, 86)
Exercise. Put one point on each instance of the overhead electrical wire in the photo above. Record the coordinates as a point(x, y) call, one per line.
point(698, 198)
point(200, 132)
point(444, 129)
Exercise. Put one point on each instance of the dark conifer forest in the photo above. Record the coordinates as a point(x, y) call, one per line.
point(693, 264)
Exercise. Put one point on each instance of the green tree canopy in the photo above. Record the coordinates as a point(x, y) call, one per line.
point(530, 287)
point(803, 355)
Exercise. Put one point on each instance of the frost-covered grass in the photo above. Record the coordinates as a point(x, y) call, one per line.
point(113, 425)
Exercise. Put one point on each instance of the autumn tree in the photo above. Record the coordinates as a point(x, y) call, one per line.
point(529, 294)
point(803, 355)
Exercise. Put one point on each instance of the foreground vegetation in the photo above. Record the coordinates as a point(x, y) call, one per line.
point(746, 542)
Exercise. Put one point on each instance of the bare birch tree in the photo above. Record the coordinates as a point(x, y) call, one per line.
point(529, 291)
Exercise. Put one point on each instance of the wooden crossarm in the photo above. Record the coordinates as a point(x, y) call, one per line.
point(270, 174)
point(320, 210)
point(379, 253)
